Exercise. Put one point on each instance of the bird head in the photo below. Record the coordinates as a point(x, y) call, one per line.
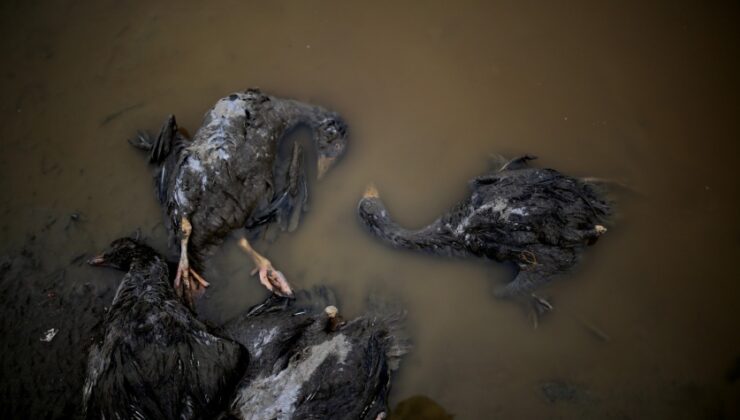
point(120, 254)
point(331, 142)
point(371, 208)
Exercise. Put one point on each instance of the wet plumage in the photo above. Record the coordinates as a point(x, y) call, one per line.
point(155, 359)
point(305, 366)
point(538, 219)
point(230, 176)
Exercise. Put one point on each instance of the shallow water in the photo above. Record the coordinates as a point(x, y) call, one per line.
point(644, 94)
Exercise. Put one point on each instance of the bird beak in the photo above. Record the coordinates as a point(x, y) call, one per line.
point(97, 260)
point(371, 192)
point(324, 164)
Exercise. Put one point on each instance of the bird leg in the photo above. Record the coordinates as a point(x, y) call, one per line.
point(184, 287)
point(539, 308)
point(272, 279)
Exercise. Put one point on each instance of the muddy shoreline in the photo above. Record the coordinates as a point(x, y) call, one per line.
point(43, 379)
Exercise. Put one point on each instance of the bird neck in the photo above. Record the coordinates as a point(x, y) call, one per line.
point(433, 238)
point(147, 275)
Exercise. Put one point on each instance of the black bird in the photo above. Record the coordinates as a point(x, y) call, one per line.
point(539, 219)
point(227, 177)
point(306, 362)
point(155, 360)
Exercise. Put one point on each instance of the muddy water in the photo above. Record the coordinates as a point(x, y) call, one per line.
point(645, 94)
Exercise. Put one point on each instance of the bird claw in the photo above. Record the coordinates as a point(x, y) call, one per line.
point(201, 282)
point(186, 289)
point(274, 281)
point(181, 278)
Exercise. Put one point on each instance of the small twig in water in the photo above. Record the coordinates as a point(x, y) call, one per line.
point(113, 116)
point(593, 329)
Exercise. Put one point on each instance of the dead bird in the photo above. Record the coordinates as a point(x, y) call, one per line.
point(301, 369)
point(155, 359)
point(225, 178)
point(538, 219)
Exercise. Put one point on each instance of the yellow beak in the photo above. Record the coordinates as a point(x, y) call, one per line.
point(371, 192)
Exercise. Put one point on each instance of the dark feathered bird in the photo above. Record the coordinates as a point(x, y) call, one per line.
point(307, 363)
point(228, 176)
point(155, 360)
point(539, 219)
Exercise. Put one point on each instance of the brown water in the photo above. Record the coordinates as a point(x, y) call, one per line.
point(645, 94)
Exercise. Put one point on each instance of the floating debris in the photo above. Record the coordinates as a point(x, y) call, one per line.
point(74, 218)
point(49, 335)
point(593, 329)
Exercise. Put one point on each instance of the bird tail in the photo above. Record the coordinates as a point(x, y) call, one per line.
point(163, 152)
point(159, 148)
point(395, 339)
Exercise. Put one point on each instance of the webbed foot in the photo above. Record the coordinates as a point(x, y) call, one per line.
point(185, 288)
point(188, 284)
point(271, 278)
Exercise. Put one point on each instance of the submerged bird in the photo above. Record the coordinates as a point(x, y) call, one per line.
point(229, 177)
point(538, 219)
point(155, 359)
point(306, 362)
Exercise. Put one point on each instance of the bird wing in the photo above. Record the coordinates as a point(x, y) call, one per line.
point(290, 196)
point(176, 369)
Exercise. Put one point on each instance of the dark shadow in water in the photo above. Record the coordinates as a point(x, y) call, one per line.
point(419, 407)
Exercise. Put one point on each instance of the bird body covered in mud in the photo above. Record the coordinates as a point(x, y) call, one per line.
point(229, 176)
point(307, 362)
point(538, 219)
point(155, 359)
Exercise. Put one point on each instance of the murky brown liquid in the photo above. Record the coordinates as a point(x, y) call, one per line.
point(643, 94)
